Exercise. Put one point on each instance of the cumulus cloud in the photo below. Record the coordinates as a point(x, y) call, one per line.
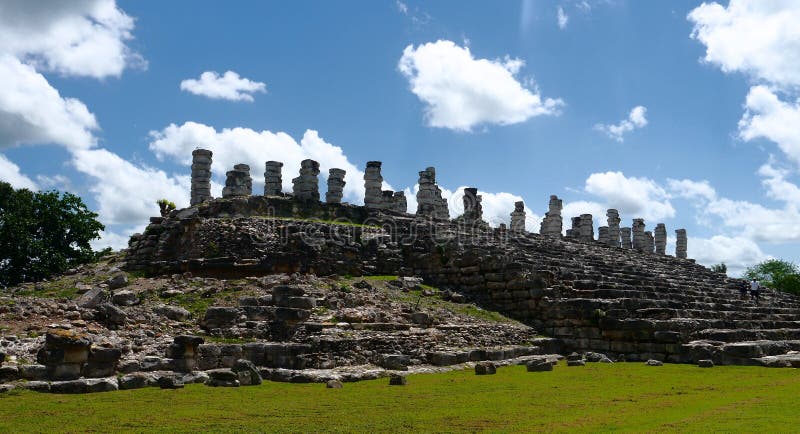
point(10, 173)
point(754, 37)
point(243, 145)
point(690, 189)
point(636, 119)
point(766, 116)
point(80, 38)
point(33, 112)
point(636, 197)
point(461, 91)
point(737, 253)
point(227, 86)
point(562, 18)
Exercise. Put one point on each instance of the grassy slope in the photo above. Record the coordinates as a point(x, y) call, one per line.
point(599, 397)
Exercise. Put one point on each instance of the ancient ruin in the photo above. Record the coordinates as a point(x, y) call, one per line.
point(273, 181)
point(335, 186)
point(306, 186)
point(613, 228)
point(373, 181)
point(238, 182)
point(552, 223)
point(429, 196)
point(287, 277)
point(201, 176)
point(518, 217)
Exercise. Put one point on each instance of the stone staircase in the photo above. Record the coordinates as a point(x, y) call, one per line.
point(633, 305)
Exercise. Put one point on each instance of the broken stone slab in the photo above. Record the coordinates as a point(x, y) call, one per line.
point(654, 362)
point(705, 363)
point(485, 368)
point(136, 380)
point(333, 384)
point(395, 362)
point(222, 378)
point(397, 380)
point(125, 298)
point(220, 317)
point(169, 382)
point(84, 385)
point(118, 281)
point(9, 374)
point(175, 313)
point(247, 372)
point(539, 365)
point(91, 298)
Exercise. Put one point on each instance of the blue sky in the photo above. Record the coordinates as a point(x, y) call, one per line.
point(679, 112)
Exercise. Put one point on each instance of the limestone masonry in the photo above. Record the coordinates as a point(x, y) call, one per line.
point(288, 275)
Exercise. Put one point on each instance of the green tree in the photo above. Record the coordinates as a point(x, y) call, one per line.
point(777, 274)
point(43, 233)
point(719, 268)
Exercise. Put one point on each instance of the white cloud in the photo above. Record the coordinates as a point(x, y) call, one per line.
point(576, 208)
point(115, 239)
point(737, 253)
point(692, 189)
point(227, 86)
point(636, 197)
point(461, 92)
point(562, 18)
point(402, 7)
point(243, 145)
point(81, 38)
point(636, 119)
point(126, 193)
point(10, 173)
point(33, 112)
point(755, 37)
point(768, 117)
point(58, 182)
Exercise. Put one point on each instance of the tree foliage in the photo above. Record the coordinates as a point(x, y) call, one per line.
point(777, 274)
point(43, 233)
point(719, 268)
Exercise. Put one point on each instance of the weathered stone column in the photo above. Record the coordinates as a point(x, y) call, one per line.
point(575, 231)
point(586, 228)
point(335, 186)
point(201, 176)
point(613, 227)
point(373, 181)
point(661, 239)
point(552, 222)
point(680, 243)
point(442, 210)
point(399, 203)
point(602, 235)
point(273, 181)
point(625, 238)
point(238, 181)
point(518, 217)
point(429, 196)
point(306, 186)
point(648, 242)
point(473, 211)
point(638, 234)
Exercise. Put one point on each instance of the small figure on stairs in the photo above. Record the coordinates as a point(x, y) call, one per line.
point(755, 290)
point(743, 290)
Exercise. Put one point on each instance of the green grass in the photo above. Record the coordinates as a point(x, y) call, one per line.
point(621, 397)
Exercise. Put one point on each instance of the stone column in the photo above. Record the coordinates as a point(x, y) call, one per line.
point(552, 222)
point(680, 243)
point(638, 234)
point(575, 231)
point(399, 203)
point(306, 186)
point(387, 199)
point(518, 217)
point(613, 227)
point(625, 238)
point(648, 242)
point(373, 181)
point(273, 182)
point(238, 181)
point(602, 235)
point(472, 205)
point(661, 239)
point(335, 186)
point(586, 228)
point(201, 176)
point(442, 210)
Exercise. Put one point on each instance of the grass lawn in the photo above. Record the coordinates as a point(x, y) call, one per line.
point(598, 397)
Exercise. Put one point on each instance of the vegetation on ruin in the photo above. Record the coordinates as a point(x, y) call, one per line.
point(598, 397)
point(43, 233)
point(777, 274)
